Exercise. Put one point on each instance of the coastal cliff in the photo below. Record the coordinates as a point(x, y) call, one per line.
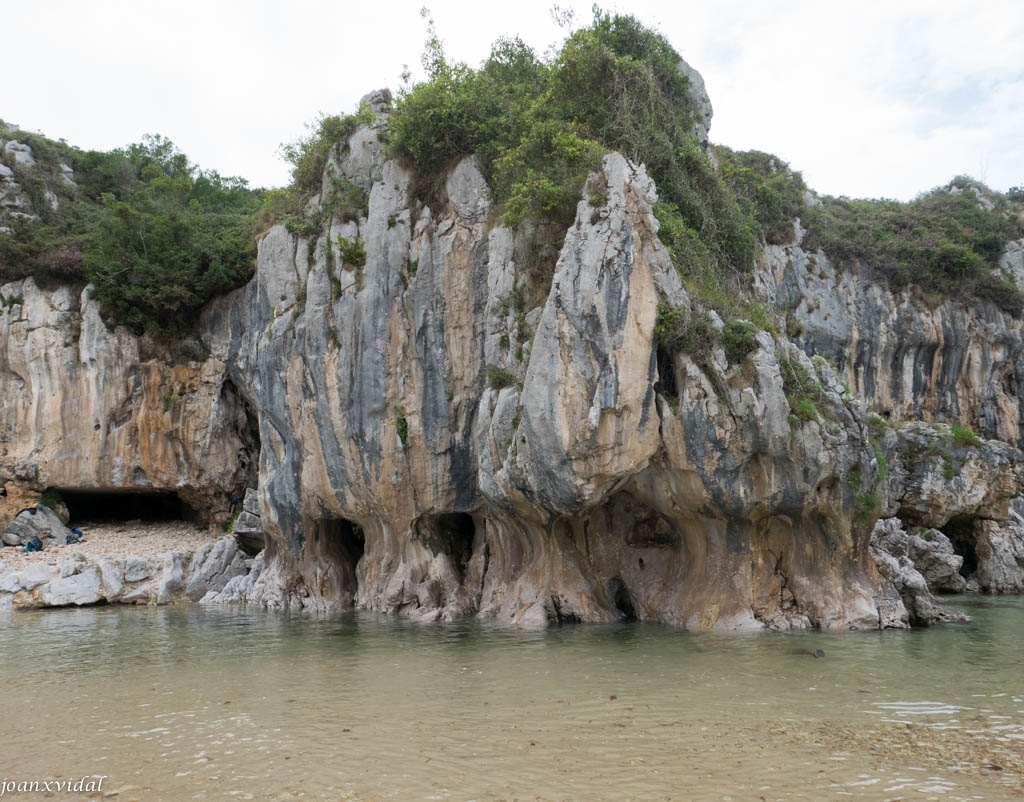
point(450, 413)
point(396, 476)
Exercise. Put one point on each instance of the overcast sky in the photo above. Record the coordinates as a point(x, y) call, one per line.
point(868, 99)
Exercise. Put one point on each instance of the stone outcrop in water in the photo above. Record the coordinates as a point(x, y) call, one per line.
point(443, 438)
point(957, 497)
point(443, 428)
point(892, 552)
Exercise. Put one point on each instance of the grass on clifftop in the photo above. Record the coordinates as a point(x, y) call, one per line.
point(540, 126)
point(947, 241)
point(159, 237)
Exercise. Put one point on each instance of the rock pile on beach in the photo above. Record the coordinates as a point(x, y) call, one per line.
point(127, 563)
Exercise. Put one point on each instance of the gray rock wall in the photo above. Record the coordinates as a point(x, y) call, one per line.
point(443, 436)
point(907, 356)
point(82, 408)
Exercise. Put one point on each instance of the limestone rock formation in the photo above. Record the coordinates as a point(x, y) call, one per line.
point(960, 495)
point(445, 418)
point(248, 526)
point(701, 103)
point(441, 437)
point(999, 551)
point(935, 479)
point(162, 579)
point(38, 521)
point(934, 556)
point(906, 358)
point(84, 408)
point(889, 549)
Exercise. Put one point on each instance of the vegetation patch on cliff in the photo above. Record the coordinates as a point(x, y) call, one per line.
point(157, 236)
point(947, 241)
point(540, 126)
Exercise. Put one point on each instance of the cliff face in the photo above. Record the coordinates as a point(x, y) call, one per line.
point(442, 439)
point(445, 419)
point(81, 410)
point(905, 355)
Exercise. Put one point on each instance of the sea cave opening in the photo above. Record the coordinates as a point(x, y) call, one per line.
point(343, 543)
point(619, 594)
point(960, 532)
point(452, 534)
point(112, 506)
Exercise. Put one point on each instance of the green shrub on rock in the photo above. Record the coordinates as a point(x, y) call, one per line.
point(740, 339)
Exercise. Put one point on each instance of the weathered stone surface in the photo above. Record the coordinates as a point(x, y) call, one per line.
point(999, 546)
point(238, 589)
point(145, 593)
point(8, 580)
point(81, 407)
point(935, 479)
point(933, 555)
point(112, 576)
point(136, 569)
point(445, 431)
point(888, 548)
point(171, 581)
point(248, 527)
point(70, 564)
point(39, 521)
point(698, 95)
point(21, 153)
point(35, 575)
point(213, 566)
point(251, 503)
point(78, 589)
point(906, 358)
point(393, 478)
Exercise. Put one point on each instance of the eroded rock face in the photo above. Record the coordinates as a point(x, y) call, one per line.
point(161, 579)
point(958, 498)
point(443, 435)
point(935, 479)
point(81, 409)
point(907, 359)
point(889, 548)
point(37, 521)
point(999, 549)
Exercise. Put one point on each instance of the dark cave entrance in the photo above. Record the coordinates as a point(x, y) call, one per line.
point(619, 594)
point(960, 532)
point(112, 506)
point(343, 543)
point(666, 384)
point(452, 534)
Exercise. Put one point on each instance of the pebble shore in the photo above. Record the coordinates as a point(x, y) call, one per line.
point(118, 541)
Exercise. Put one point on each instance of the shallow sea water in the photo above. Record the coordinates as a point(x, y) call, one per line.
point(205, 703)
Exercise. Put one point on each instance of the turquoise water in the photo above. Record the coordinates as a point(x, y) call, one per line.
point(206, 703)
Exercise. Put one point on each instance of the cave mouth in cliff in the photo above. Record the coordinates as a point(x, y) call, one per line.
point(111, 506)
point(619, 594)
point(666, 384)
point(342, 542)
point(450, 533)
point(960, 532)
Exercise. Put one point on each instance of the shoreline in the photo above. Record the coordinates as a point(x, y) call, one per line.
point(130, 562)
